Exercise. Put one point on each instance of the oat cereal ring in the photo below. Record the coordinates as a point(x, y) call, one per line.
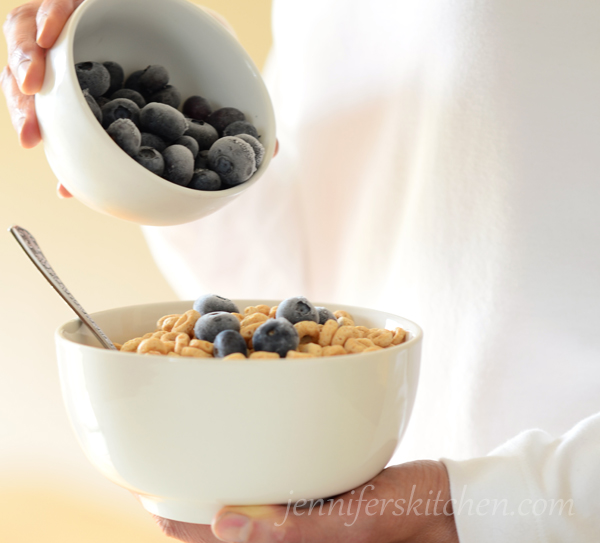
point(194, 353)
point(131, 345)
point(248, 331)
point(334, 350)
point(206, 346)
point(381, 337)
point(273, 312)
point(159, 334)
point(152, 344)
point(344, 333)
point(169, 336)
point(311, 348)
point(181, 342)
point(239, 316)
point(149, 334)
point(363, 329)
point(253, 319)
point(118, 346)
point(185, 323)
point(340, 313)
point(153, 353)
point(355, 345)
point(399, 336)
point(263, 354)
point(168, 323)
point(373, 349)
point(345, 321)
point(296, 354)
point(250, 310)
point(327, 332)
point(234, 356)
point(162, 320)
point(307, 329)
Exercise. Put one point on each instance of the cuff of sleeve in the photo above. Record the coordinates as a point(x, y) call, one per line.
point(492, 501)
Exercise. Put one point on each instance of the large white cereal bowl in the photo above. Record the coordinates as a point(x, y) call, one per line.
point(202, 58)
point(192, 435)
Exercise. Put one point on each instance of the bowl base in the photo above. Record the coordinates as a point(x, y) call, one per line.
point(192, 512)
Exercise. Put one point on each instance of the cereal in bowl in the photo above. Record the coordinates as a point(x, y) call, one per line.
point(215, 328)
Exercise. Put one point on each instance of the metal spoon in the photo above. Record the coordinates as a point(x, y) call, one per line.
point(30, 246)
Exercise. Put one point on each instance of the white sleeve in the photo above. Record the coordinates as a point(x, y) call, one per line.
point(531, 489)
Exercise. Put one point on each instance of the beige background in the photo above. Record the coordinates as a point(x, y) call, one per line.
point(48, 491)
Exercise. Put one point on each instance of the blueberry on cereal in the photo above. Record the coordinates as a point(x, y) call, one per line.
point(297, 309)
point(126, 135)
point(228, 342)
point(233, 159)
point(209, 326)
point(276, 336)
point(130, 94)
point(179, 165)
point(151, 159)
point(210, 303)
point(92, 76)
point(121, 108)
point(325, 315)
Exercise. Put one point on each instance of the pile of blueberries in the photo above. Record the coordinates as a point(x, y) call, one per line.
point(217, 325)
point(197, 148)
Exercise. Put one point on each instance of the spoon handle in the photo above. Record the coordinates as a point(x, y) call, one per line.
point(33, 251)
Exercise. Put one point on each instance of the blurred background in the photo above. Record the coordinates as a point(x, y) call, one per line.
point(48, 490)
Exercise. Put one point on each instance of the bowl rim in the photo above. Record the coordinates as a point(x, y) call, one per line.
point(416, 332)
point(70, 31)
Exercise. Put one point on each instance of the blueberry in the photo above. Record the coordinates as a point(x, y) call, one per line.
point(197, 107)
point(233, 159)
point(209, 326)
point(126, 135)
point(130, 94)
point(276, 336)
point(117, 76)
point(221, 118)
point(297, 309)
point(154, 78)
point(201, 161)
point(256, 145)
point(202, 132)
point(151, 159)
point(188, 142)
point(102, 101)
point(205, 180)
point(179, 165)
point(169, 95)
point(93, 105)
point(133, 81)
point(163, 120)
point(121, 108)
point(150, 140)
point(93, 76)
point(325, 315)
point(240, 127)
point(209, 303)
point(228, 342)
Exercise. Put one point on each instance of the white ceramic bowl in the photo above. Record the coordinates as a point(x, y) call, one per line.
point(202, 58)
point(193, 435)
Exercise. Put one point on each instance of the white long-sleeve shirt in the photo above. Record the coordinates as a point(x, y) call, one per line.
point(439, 159)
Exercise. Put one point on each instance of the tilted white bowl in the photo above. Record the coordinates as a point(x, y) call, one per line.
point(193, 435)
point(202, 58)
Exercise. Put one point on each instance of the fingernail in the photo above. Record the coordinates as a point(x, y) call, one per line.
point(22, 70)
point(58, 191)
point(41, 22)
point(233, 528)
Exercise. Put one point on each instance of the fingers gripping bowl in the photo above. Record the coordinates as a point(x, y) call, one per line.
point(202, 57)
point(192, 435)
